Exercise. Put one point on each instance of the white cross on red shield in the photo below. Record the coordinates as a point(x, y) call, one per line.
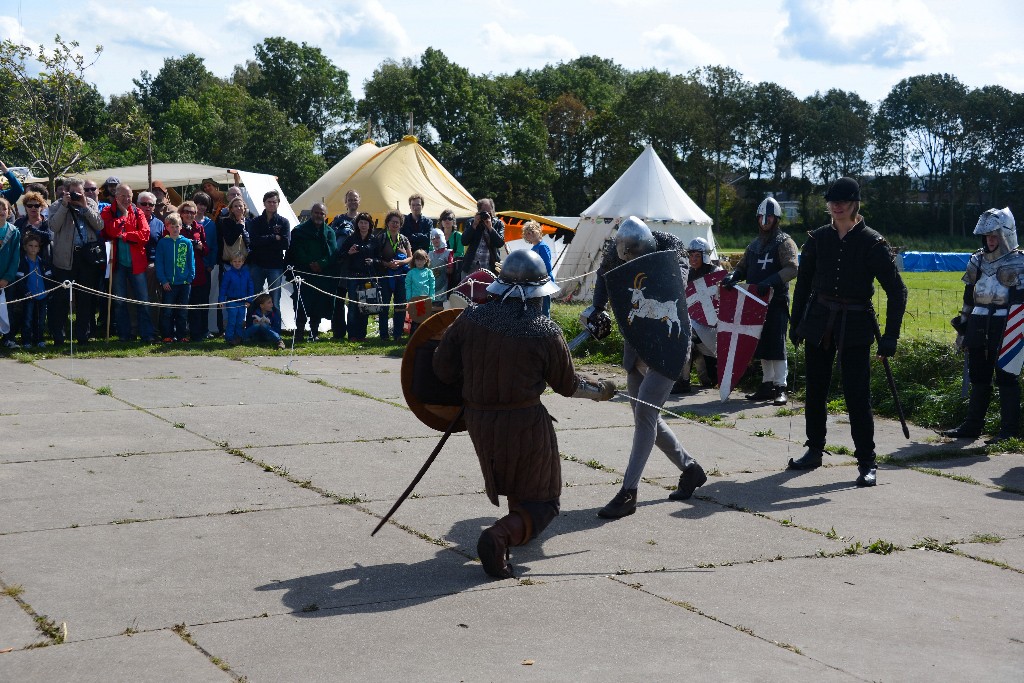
point(740, 321)
point(702, 298)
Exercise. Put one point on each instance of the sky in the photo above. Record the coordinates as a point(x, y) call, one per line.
point(865, 46)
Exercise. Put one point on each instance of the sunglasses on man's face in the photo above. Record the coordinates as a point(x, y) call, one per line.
point(146, 204)
point(91, 189)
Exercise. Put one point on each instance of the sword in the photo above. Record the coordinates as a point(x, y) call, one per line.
point(744, 292)
point(888, 376)
point(423, 470)
point(579, 339)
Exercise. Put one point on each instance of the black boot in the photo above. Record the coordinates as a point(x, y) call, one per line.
point(690, 480)
point(811, 460)
point(622, 505)
point(1009, 413)
point(681, 386)
point(492, 548)
point(766, 392)
point(781, 398)
point(977, 406)
point(867, 473)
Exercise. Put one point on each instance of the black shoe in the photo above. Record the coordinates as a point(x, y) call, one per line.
point(999, 437)
point(964, 431)
point(811, 460)
point(690, 480)
point(781, 398)
point(867, 475)
point(681, 387)
point(765, 392)
point(622, 505)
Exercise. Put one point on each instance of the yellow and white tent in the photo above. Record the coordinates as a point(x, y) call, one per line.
point(385, 178)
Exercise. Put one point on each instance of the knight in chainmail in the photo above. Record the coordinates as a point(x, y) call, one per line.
point(992, 283)
point(633, 239)
point(504, 353)
point(770, 261)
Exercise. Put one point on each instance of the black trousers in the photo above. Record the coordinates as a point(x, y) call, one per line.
point(855, 371)
point(87, 275)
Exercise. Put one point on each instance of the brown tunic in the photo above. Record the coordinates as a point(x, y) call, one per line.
point(504, 357)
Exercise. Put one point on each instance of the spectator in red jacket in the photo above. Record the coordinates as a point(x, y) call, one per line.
point(126, 226)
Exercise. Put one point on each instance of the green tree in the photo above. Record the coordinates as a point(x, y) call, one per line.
point(304, 84)
point(388, 99)
point(527, 174)
point(178, 77)
point(43, 101)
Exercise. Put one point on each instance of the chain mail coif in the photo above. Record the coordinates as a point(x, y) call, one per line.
point(508, 318)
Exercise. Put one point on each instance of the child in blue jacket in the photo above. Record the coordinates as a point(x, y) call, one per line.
point(263, 322)
point(236, 289)
point(175, 270)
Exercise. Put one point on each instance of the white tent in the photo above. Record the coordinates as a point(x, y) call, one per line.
point(646, 190)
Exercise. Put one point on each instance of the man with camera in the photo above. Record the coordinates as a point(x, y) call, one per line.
point(79, 254)
point(483, 239)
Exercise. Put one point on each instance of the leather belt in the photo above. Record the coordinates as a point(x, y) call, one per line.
point(504, 406)
point(835, 306)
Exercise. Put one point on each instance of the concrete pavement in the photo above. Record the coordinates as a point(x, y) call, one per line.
point(198, 518)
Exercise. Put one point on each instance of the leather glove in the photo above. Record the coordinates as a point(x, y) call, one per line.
point(729, 281)
point(960, 342)
point(886, 346)
point(795, 337)
point(959, 324)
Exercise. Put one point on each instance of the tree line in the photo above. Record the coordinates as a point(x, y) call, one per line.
point(932, 154)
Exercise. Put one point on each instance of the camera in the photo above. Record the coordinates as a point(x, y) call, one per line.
point(484, 214)
point(76, 196)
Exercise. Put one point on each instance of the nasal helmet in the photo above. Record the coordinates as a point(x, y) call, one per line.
point(634, 239)
point(523, 276)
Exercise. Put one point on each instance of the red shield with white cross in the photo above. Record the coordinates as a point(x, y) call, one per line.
point(740, 320)
point(702, 298)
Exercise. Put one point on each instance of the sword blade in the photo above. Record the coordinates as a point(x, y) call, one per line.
point(579, 339)
point(895, 396)
point(423, 470)
point(756, 298)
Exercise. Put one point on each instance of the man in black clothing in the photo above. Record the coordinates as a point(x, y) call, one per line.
point(269, 234)
point(832, 311)
point(416, 226)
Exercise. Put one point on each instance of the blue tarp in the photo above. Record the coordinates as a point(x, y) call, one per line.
point(931, 261)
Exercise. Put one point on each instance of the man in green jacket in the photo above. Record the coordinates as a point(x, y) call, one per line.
point(311, 255)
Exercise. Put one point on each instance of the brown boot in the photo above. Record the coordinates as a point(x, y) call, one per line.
point(492, 548)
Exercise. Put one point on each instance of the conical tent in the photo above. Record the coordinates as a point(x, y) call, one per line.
point(385, 178)
point(646, 190)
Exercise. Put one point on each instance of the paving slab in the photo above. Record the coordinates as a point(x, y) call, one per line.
point(661, 534)
point(52, 397)
point(51, 494)
point(151, 657)
point(728, 450)
point(506, 635)
point(13, 373)
point(858, 613)
point(350, 418)
point(380, 377)
point(826, 498)
point(85, 435)
point(1006, 469)
point(17, 630)
point(1009, 551)
point(380, 470)
point(151, 575)
point(260, 389)
point(102, 370)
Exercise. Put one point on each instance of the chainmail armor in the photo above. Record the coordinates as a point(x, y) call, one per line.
point(510, 318)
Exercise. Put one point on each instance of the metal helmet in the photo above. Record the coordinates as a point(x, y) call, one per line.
point(633, 239)
point(844, 189)
point(700, 244)
point(769, 207)
point(523, 276)
point(1000, 223)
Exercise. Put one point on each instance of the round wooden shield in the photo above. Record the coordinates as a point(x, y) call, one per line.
point(419, 383)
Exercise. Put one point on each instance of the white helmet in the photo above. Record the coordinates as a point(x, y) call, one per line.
point(700, 244)
point(998, 222)
point(769, 207)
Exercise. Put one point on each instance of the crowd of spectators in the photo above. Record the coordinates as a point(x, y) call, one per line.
point(208, 252)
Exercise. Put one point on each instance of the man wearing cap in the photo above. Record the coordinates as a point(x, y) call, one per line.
point(108, 192)
point(833, 313)
point(511, 430)
point(770, 261)
point(163, 202)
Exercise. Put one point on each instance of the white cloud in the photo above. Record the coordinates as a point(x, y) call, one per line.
point(522, 48)
point(675, 46)
point(887, 33)
point(146, 28)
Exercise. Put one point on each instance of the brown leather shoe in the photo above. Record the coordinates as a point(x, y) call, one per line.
point(495, 541)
